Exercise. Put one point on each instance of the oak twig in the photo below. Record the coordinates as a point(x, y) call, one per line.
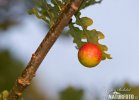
point(29, 72)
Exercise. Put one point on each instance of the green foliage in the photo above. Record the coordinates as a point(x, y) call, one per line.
point(71, 94)
point(49, 12)
point(9, 70)
point(128, 88)
point(4, 95)
point(83, 33)
point(88, 3)
point(10, 18)
point(7, 23)
point(85, 21)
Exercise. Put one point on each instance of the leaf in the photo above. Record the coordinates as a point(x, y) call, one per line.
point(77, 35)
point(103, 56)
point(88, 3)
point(50, 12)
point(100, 35)
point(108, 56)
point(104, 47)
point(92, 36)
point(47, 12)
point(85, 21)
point(57, 4)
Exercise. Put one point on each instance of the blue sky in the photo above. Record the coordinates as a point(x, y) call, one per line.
point(117, 19)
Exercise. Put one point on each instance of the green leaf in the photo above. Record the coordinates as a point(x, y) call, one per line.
point(88, 3)
point(57, 4)
point(47, 12)
point(100, 35)
point(77, 35)
point(85, 21)
point(92, 36)
point(108, 56)
point(50, 12)
point(104, 47)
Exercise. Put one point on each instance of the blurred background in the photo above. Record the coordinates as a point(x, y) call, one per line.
point(61, 76)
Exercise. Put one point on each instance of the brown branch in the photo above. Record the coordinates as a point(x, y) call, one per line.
point(29, 72)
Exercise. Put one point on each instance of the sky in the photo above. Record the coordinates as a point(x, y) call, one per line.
point(117, 19)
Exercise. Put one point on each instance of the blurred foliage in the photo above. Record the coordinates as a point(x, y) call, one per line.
point(34, 93)
point(128, 88)
point(4, 25)
point(11, 11)
point(71, 93)
point(10, 69)
point(4, 94)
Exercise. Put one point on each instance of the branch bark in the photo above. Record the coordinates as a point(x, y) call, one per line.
point(29, 72)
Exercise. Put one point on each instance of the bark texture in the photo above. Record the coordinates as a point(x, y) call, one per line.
point(24, 80)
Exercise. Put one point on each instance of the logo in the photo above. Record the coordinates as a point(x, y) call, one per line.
point(122, 94)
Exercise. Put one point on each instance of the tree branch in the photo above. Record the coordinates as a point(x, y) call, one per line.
point(29, 72)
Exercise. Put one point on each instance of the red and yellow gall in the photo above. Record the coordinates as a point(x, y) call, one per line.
point(89, 55)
